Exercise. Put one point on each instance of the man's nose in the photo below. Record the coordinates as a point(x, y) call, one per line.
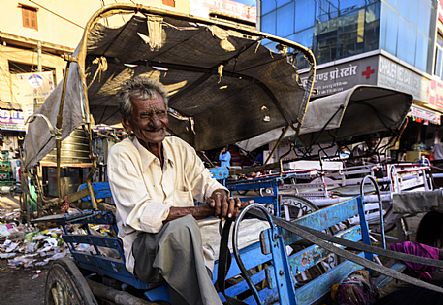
point(155, 122)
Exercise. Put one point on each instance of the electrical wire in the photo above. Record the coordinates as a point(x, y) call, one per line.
point(58, 15)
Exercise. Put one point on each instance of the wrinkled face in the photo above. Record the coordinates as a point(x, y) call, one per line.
point(149, 120)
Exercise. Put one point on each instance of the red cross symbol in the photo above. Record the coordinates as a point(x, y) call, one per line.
point(367, 73)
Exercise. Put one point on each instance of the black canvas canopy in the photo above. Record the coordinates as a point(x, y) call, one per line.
point(224, 85)
point(359, 111)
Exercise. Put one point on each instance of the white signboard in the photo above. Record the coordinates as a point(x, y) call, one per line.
point(29, 87)
point(203, 8)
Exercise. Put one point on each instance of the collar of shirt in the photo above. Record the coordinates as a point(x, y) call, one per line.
point(149, 157)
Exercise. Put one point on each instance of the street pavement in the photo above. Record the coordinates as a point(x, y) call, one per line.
point(18, 286)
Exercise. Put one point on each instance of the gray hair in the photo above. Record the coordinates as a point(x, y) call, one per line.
point(140, 87)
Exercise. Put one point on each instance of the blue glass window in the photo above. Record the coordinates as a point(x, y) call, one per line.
point(406, 41)
point(326, 10)
point(350, 5)
point(424, 18)
point(304, 15)
point(372, 27)
point(389, 29)
point(269, 23)
point(421, 52)
point(285, 20)
point(408, 10)
point(304, 38)
point(280, 3)
point(439, 57)
point(393, 3)
point(267, 6)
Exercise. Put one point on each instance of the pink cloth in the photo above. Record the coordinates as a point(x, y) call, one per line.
point(418, 249)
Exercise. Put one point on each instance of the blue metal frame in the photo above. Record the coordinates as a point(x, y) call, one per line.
point(280, 268)
point(310, 256)
point(257, 184)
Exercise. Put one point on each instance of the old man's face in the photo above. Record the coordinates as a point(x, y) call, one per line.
point(149, 120)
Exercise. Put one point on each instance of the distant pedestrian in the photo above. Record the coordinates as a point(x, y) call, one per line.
point(225, 157)
point(438, 147)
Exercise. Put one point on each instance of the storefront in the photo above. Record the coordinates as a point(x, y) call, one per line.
point(382, 69)
point(12, 127)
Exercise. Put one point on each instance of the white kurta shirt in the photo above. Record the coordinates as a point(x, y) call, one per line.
point(143, 191)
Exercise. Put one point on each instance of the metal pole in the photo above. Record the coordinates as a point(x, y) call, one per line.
point(276, 144)
point(380, 205)
point(39, 56)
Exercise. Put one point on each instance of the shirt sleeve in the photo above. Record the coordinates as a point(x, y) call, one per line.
point(201, 183)
point(134, 205)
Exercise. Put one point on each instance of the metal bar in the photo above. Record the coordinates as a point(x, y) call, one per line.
point(276, 145)
point(364, 228)
point(377, 190)
point(326, 241)
point(91, 193)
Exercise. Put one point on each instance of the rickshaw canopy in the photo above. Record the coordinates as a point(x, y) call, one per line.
point(361, 110)
point(224, 85)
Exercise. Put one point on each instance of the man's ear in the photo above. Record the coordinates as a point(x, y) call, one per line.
point(127, 125)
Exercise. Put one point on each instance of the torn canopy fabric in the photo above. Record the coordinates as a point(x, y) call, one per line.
point(226, 86)
point(359, 111)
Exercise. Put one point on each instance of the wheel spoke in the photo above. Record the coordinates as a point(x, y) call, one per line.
point(54, 293)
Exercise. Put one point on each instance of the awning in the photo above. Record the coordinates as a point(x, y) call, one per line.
point(358, 111)
point(10, 105)
point(422, 113)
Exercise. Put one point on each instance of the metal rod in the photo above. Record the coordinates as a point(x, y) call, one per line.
point(277, 144)
point(91, 193)
point(380, 204)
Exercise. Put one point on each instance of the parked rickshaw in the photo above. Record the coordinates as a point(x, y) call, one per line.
point(224, 86)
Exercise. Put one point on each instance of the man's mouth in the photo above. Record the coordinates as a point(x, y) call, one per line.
point(154, 130)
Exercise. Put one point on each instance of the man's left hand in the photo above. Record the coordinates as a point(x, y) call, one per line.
point(224, 206)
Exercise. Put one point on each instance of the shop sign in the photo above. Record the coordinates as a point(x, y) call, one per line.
point(203, 8)
point(435, 93)
point(424, 114)
point(12, 120)
point(27, 88)
point(345, 76)
point(397, 77)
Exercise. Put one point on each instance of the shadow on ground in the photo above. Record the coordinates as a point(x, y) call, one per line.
point(19, 288)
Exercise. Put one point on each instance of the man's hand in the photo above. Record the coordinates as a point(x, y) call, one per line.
point(223, 206)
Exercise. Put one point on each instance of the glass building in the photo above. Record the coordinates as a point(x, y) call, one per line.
point(337, 29)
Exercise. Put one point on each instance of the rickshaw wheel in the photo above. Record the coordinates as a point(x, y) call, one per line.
point(294, 207)
point(65, 285)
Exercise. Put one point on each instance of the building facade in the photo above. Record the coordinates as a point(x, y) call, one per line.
point(34, 34)
point(382, 42)
point(388, 43)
